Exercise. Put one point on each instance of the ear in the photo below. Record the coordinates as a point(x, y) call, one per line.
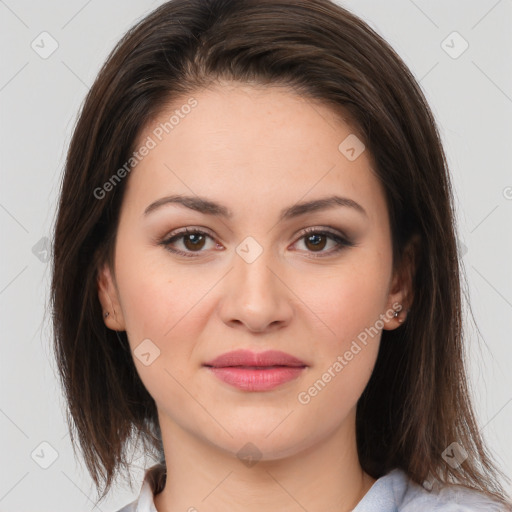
point(109, 299)
point(401, 293)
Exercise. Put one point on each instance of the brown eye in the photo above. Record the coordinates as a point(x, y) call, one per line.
point(193, 241)
point(315, 242)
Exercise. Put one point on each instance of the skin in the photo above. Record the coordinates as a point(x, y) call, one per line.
point(255, 150)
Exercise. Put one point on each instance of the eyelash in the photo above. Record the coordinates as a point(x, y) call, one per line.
point(341, 241)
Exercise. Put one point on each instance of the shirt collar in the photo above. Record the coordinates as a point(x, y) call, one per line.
point(384, 495)
point(154, 482)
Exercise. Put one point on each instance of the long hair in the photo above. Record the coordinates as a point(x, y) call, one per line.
point(417, 402)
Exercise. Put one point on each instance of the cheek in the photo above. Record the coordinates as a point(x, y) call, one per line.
point(156, 298)
point(169, 307)
point(147, 306)
point(348, 302)
point(346, 351)
point(161, 322)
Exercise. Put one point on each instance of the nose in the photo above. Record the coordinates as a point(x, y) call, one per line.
point(256, 296)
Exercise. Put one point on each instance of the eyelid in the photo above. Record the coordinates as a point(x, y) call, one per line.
point(191, 229)
point(323, 229)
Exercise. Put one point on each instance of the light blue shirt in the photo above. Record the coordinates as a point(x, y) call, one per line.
point(393, 492)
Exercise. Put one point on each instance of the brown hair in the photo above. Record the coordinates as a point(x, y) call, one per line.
point(417, 401)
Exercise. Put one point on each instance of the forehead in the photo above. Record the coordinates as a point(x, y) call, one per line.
point(244, 143)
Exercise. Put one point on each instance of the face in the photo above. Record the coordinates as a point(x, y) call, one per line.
point(256, 271)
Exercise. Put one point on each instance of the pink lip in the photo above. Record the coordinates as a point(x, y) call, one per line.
point(251, 371)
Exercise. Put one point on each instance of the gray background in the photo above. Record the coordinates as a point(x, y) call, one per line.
point(470, 94)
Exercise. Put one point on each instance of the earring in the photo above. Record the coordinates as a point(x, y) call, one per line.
point(400, 320)
point(106, 314)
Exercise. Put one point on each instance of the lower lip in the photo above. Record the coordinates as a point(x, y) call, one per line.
point(249, 379)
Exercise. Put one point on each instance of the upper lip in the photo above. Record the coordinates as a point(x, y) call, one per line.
point(249, 358)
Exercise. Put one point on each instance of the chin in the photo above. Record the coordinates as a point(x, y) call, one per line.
point(256, 444)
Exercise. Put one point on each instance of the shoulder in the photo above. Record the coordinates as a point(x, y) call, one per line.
point(447, 498)
point(396, 492)
point(452, 499)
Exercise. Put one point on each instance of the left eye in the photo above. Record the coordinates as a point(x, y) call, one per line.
point(315, 241)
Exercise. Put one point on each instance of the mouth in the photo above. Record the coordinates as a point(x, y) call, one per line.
point(256, 378)
point(249, 371)
point(254, 367)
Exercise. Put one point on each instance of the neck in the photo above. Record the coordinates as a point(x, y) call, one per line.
point(202, 477)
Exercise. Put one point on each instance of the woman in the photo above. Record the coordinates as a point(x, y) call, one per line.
point(255, 271)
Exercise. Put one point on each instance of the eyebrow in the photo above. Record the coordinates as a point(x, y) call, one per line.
point(207, 207)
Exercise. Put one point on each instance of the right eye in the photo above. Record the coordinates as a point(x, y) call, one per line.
point(193, 241)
